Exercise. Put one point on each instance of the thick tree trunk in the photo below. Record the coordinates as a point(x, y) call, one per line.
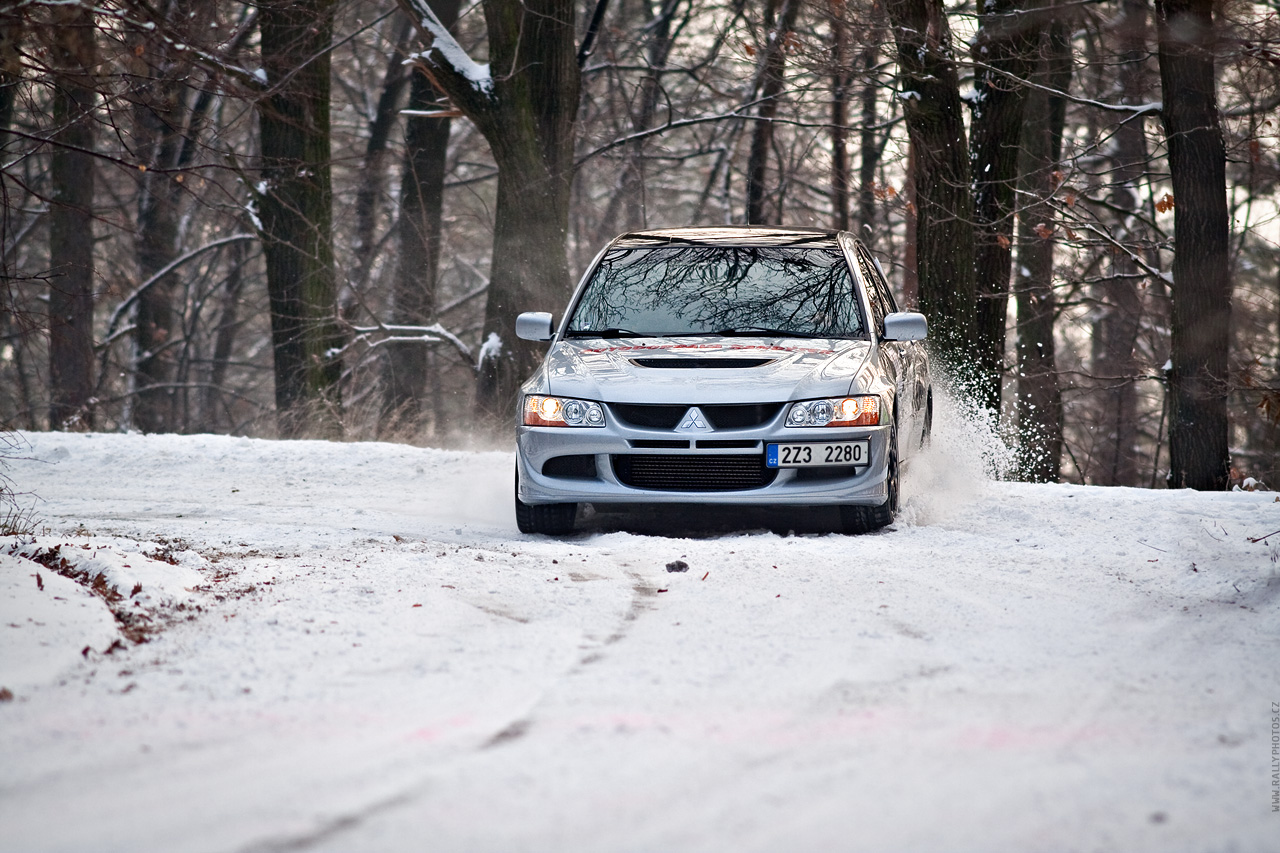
point(1003, 53)
point(71, 383)
point(419, 230)
point(778, 26)
point(296, 215)
point(1198, 451)
point(1116, 332)
point(944, 244)
point(10, 75)
point(1039, 403)
point(527, 274)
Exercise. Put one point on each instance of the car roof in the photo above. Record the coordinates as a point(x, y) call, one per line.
point(731, 235)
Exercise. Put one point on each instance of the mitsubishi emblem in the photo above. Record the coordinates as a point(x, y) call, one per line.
point(694, 421)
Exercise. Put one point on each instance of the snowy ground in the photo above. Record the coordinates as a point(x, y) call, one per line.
point(359, 652)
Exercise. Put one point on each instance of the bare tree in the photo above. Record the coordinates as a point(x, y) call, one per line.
point(419, 230)
point(71, 276)
point(1198, 382)
point(1039, 400)
point(1003, 56)
point(779, 21)
point(930, 96)
point(295, 198)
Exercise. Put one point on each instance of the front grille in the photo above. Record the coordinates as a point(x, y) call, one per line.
point(691, 473)
point(736, 416)
point(654, 417)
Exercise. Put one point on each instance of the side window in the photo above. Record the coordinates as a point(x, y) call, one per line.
point(877, 294)
point(882, 286)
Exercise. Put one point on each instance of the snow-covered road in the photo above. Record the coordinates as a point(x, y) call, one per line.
point(377, 661)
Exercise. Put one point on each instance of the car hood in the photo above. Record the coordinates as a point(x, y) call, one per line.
point(702, 370)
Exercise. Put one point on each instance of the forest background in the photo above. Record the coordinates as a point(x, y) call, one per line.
point(319, 217)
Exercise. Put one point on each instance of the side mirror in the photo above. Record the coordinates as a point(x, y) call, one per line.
point(905, 326)
point(534, 326)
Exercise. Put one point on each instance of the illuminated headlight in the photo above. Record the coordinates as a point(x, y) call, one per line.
point(836, 412)
point(557, 411)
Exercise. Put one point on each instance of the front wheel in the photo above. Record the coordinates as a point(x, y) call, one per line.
point(864, 519)
point(548, 519)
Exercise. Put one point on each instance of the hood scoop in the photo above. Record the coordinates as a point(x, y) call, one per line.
point(669, 363)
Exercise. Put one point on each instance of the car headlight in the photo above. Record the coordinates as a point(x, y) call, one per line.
point(836, 412)
point(558, 411)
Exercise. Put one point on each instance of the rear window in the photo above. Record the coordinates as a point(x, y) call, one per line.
point(692, 290)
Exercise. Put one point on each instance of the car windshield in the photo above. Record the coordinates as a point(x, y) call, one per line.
point(726, 290)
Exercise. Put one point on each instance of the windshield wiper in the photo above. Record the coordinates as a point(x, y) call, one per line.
point(607, 333)
point(757, 331)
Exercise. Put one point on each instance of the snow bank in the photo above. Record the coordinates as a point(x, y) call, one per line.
point(63, 598)
point(160, 577)
point(47, 623)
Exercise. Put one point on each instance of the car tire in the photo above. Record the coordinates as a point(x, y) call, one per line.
point(548, 519)
point(864, 519)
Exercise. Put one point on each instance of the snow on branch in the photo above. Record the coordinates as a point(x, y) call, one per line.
point(444, 52)
point(1133, 110)
point(382, 334)
point(159, 275)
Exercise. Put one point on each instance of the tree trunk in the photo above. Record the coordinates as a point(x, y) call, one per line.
point(74, 55)
point(296, 215)
point(1003, 53)
point(370, 189)
point(1039, 404)
point(1198, 451)
point(225, 336)
point(158, 122)
point(840, 78)
point(419, 230)
point(631, 195)
point(10, 74)
point(944, 244)
point(1116, 333)
point(868, 144)
point(778, 28)
point(910, 269)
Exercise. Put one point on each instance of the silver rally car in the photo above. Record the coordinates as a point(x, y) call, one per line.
point(729, 365)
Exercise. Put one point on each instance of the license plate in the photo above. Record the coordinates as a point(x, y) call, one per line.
point(814, 454)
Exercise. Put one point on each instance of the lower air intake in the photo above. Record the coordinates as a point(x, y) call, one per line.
point(689, 473)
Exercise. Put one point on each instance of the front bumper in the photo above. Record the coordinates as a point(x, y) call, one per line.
point(602, 459)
